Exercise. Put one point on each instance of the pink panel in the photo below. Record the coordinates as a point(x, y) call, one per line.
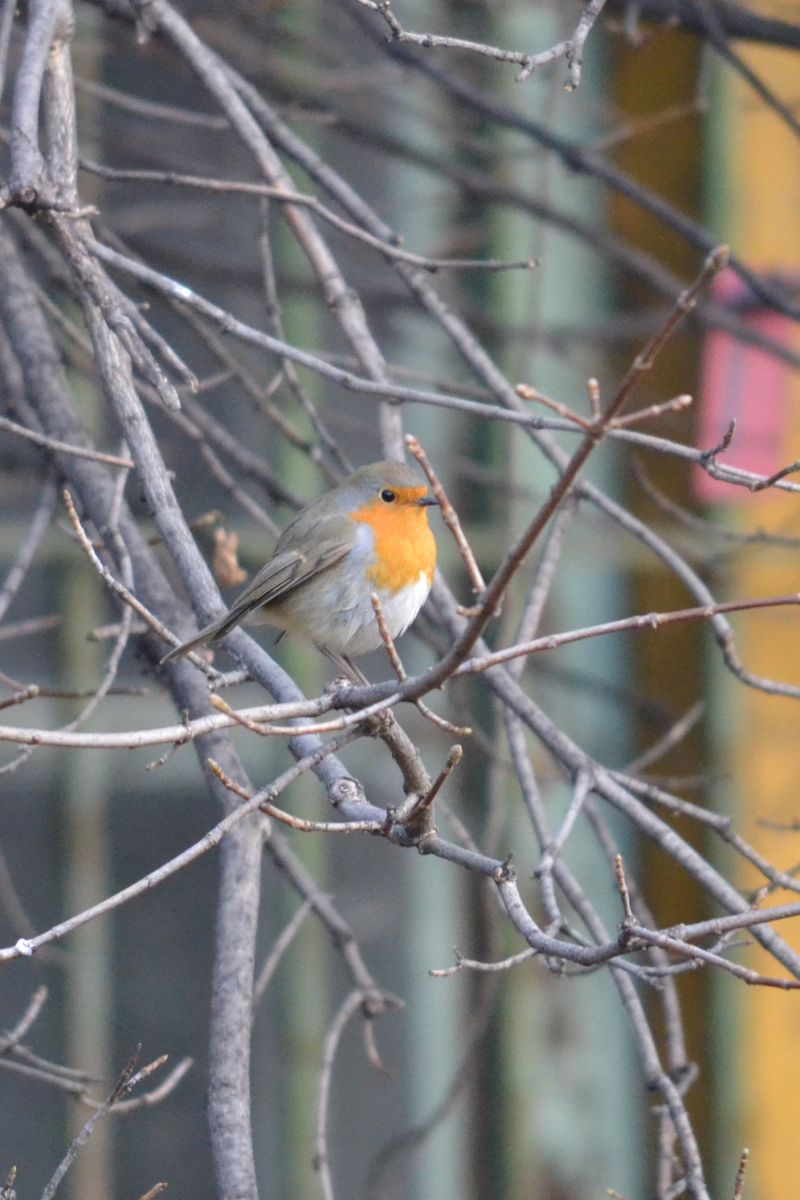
point(746, 384)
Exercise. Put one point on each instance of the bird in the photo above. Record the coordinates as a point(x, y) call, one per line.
point(369, 534)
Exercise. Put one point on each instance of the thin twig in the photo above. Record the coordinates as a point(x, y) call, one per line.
point(300, 823)
point(349, 1007)
point(129, 1078)
point(419, 817)
point(30, 1015)
point(526, 392)
point(25, 947)
point(344, 722)
point(644, 621)
point(287, 196)
point(123, 592)
point(676, 404)
point(30, 544)
point(400, 671)
point(738, 1187)
point(622, 883)
point(449, 515)
point(581, 790)
point(281, 945)
point(470, 964)
point(156, 1095)
point(571, 49)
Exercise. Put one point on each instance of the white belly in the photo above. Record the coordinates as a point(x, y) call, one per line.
point(399, 610)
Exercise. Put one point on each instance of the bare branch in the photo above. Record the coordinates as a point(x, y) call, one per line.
point(349, 1007)
point(25, 947)
point(128, 1080)
point(571, 50)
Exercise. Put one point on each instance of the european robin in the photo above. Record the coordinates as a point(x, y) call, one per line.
point(369, 534)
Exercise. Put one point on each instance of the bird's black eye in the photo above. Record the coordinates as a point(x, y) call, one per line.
point(388, 495)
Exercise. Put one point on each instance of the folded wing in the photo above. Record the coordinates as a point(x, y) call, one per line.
point(288, 569)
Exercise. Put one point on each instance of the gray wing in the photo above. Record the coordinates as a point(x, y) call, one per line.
point(288, 568)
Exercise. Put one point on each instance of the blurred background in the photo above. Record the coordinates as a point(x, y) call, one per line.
point(523, 1084)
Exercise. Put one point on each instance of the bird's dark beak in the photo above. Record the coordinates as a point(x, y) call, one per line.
point(427, 501)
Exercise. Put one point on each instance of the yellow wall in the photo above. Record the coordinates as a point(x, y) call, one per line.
point(761, 172)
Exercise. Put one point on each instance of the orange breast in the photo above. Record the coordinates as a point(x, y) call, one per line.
point(404, 545)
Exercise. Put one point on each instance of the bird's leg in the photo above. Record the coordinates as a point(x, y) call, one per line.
point(380, 723)
point(357, 675)
point(345, 664)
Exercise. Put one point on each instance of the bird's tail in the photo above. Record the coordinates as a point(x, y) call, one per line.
point(210, 633)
